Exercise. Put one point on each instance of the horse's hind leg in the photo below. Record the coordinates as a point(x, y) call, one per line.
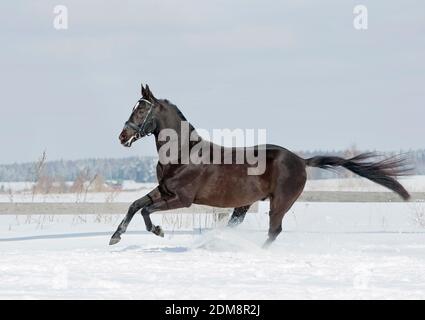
point(280, 204)
point(238, 216)
point(277, 212)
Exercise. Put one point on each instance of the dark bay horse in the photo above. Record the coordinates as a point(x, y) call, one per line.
point(182, 183)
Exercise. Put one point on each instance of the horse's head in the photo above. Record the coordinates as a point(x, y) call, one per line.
point(142, 119)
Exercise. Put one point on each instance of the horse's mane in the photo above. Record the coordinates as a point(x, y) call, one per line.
point(179, 113)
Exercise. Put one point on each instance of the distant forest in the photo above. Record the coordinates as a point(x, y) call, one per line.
point(142, 169)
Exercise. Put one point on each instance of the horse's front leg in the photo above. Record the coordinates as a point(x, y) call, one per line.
point(135, 206)
point(173, 202)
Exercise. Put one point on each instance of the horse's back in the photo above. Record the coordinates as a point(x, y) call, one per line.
point(231, 185)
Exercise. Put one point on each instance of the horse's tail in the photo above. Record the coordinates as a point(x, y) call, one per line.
point(381, 172)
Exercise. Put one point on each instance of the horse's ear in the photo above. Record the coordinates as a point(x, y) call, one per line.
point(147, 93)
point(143, 89)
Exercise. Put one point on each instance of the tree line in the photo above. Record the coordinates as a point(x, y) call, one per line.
point(142, 169)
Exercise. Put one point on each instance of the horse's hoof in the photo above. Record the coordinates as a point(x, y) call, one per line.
point(266, 245)
point(232, 224)
point(158, 231)
point(114, 240)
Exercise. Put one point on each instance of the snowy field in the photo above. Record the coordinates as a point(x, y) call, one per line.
point(328, 251)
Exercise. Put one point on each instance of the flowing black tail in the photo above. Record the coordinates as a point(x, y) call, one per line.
point(382, 172)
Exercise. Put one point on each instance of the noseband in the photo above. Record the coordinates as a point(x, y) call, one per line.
point(147, 122)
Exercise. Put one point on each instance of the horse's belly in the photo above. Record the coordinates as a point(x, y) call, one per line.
point(235, 203)
point(229, 190)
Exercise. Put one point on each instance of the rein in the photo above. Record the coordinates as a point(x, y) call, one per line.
point(141, 129)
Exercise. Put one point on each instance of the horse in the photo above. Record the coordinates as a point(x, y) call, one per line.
point(183, 182)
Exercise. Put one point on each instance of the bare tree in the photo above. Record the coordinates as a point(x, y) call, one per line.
point(38, 171)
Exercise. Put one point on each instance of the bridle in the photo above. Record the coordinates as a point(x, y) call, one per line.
point(146, 124)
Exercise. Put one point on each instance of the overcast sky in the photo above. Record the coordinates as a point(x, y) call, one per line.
point(297, 68)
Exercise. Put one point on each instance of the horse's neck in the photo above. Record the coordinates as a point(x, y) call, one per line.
point(183, 130)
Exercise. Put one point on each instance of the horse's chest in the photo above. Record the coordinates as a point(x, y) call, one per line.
point(159, 171)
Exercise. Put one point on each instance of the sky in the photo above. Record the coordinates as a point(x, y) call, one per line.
point(297, 68)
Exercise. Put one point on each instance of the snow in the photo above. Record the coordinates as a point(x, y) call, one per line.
point(16, 186)
point(327, 251)
point(133, 185)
